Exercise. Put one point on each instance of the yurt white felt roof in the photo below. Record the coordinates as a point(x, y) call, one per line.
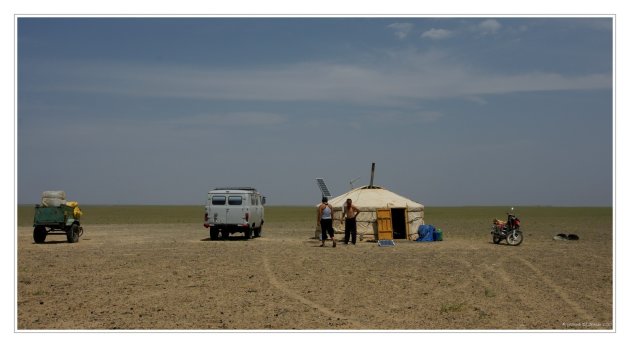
point(370, 198)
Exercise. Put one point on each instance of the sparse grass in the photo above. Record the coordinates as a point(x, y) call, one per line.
point(475, 222)
point(121, 214)
point(291, 214)
point(462, 222)
point(482, 314)
point(452, 307)
point(489, 293)
point(147, 214)
point(138, 265)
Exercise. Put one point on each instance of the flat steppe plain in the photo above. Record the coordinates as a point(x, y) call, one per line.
point(154, 267)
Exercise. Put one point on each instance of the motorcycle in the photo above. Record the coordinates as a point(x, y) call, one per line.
point(509, 231)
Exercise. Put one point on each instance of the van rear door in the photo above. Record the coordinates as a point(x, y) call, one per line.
point(236, 209)
point(217, 209)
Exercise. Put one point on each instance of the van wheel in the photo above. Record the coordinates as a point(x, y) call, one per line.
point(248, 234)
point(257, 232)
point(214, 234)
point(225, 234)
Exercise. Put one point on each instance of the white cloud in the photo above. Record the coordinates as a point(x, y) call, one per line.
point(477, 100)
point(489, 26)
point(437, 34)
point(239, 119)
point(398, 79)
point(401, 30)
point(403, 117)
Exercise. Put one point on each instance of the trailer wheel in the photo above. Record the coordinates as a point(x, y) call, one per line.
point(39, 234)
point(73, 234)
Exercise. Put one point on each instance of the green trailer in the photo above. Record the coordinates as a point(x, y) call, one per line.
point(56, 220)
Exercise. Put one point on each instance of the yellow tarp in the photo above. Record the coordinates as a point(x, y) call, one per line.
point(77, 211)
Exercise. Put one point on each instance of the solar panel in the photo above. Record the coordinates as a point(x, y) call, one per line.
point(322, 187)
point(386, 243)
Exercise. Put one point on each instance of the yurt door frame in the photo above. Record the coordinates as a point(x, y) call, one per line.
point(392, 223)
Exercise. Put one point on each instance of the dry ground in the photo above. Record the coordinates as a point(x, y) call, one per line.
point(170, 276)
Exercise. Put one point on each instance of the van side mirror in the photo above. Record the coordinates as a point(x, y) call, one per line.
point(264, 200)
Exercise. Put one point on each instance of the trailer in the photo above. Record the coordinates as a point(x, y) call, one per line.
point(56, 220)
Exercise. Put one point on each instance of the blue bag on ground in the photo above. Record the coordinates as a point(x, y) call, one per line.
point(425, 233)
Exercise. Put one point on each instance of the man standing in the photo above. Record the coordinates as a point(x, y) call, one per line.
point(350, 212)
point(324, 220)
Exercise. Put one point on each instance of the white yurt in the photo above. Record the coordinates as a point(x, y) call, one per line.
point(384, 214)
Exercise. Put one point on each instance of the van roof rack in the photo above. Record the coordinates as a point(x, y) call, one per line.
point(235, 188)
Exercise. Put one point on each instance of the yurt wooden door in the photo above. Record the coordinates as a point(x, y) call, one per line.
point(384, 223)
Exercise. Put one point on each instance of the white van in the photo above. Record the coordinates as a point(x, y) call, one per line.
point(234, 209)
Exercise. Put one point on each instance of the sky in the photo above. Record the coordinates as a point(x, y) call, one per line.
point(454, 111)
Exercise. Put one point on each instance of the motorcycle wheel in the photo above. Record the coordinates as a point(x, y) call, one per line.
point(496, 239)
point(515, 238)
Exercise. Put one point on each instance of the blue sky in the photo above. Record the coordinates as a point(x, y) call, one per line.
point(453, 111)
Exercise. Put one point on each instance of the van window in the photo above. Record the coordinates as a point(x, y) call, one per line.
point(218, 200)
point(235, 200)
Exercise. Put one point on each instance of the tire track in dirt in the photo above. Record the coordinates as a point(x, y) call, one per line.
point(592, 298)
point(464, 282)
point(474, 271)
point(501, 274)
point(282, 287)
point(478, 276)
point(560, 292)
point(514, 293)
